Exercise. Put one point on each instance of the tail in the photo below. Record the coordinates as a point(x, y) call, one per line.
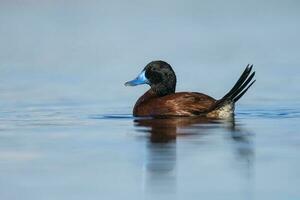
point(238, 90)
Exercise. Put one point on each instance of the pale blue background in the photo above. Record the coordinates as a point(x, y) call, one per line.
point(75, 50)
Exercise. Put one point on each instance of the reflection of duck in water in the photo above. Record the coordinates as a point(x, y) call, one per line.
point(166, 129)
point(161, 154)
point(161, 99)
point(162, 157)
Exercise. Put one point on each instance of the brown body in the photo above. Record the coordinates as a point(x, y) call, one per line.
point(177, 104)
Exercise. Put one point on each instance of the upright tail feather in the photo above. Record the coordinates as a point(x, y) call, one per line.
point(238, 90)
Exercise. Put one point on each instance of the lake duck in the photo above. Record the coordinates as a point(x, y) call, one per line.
point(161, 100)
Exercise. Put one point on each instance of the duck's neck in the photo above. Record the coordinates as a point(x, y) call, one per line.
point(148, 95)
point(164, 89)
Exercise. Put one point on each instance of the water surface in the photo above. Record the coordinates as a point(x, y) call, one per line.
point(63, 152)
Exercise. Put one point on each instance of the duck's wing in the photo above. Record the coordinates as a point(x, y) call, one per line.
point(181, 104)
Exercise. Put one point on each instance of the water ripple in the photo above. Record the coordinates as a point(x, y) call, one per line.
point(270, 113)
point(112, 116)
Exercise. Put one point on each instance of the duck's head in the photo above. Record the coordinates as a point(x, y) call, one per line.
point(159, 75)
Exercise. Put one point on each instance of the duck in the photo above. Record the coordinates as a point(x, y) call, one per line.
point(162, 100)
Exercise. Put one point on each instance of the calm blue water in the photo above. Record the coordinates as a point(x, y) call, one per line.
point(66, 129)
point(77, 152)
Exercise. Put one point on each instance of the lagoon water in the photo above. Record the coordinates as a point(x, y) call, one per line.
point(66, 128)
